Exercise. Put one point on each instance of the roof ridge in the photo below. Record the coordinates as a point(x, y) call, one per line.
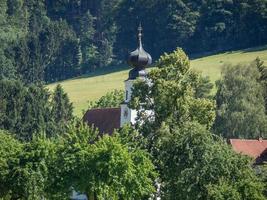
point(104, 108)
point(248, 140)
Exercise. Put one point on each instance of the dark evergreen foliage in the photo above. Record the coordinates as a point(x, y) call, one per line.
point(26, 111)
point(51, 40)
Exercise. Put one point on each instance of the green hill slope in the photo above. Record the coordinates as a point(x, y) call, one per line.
point(93, 86)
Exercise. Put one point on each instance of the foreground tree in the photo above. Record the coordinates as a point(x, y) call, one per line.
point(193, 163)
point(24, 168)
point(102, 167)
point(240, 103)
point(9, 150)
point(109, 100)
point(198, 165)
point(174, 93)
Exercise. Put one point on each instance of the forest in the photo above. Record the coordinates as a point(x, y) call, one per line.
point(45, 152)
point(181, 150)
point(46, 40)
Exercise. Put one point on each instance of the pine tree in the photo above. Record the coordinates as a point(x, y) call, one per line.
point(26, 111)
point(78, 53)
point(62, 109)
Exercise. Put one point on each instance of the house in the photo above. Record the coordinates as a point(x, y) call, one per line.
point(108, 119)
point(256, 149)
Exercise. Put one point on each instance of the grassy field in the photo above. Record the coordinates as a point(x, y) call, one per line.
point(95, 85)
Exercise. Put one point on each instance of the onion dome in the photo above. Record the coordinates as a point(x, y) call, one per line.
point(139, 58)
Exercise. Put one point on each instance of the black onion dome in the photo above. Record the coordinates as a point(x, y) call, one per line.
point(139, 58)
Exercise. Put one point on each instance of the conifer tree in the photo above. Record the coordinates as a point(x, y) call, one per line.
point(28, 111)
point(61, 108)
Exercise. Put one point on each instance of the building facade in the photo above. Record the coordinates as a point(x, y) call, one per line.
point(109, 119)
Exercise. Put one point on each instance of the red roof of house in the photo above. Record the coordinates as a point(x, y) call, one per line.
point(105, 119)
point(256, 149)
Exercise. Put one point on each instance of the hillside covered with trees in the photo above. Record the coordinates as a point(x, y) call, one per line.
point(51, 40)
point(182, 147)
point(176, 148)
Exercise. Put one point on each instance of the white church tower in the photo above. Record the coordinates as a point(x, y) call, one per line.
point(138, 59)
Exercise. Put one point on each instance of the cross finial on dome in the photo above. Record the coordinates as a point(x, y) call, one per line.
point(139, 58)
point(140, 29)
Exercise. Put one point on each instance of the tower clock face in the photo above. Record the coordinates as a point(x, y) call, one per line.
point(125, 113)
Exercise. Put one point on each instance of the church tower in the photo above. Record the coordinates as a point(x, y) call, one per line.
point(138, 60)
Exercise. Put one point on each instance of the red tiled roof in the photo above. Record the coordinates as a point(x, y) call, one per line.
point(256, 149)
point(105, 119)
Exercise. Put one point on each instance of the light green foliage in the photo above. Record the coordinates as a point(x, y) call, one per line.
point(263, 176)
point(198, 165)
point(124, 173)
point(105, 167)
point(10, 30)
point(172, 94)
point(9, 150)
point(223, 191)
point(97, 84)
point(130, 136)
point(24, 168)
point(111, 99)
point(240, 103)
point(263, 77)
point(31, 176)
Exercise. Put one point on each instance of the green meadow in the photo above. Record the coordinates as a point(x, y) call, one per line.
point(95, 85)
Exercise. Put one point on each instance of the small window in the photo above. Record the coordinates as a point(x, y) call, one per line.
point(126, 95)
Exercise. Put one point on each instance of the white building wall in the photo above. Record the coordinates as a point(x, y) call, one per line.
point(128, 90)
point(78, 196)
point(128, 116)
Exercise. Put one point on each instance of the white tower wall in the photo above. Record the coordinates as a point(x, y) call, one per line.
point(128, 116)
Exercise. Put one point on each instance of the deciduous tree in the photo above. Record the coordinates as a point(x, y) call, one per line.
point(196, 164)
point(240, 103)
point(174, 93)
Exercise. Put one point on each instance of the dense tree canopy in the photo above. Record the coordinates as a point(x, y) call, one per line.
point(55, 155)
point(80, 160)
point(29, 110)
point(46, 155)
point(9, 149)
point(198, 165)
point(49, 40)
point(174, 93)
point(193, 163)
point(240, 103)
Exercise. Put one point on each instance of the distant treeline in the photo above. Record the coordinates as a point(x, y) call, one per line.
point(50, 40)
